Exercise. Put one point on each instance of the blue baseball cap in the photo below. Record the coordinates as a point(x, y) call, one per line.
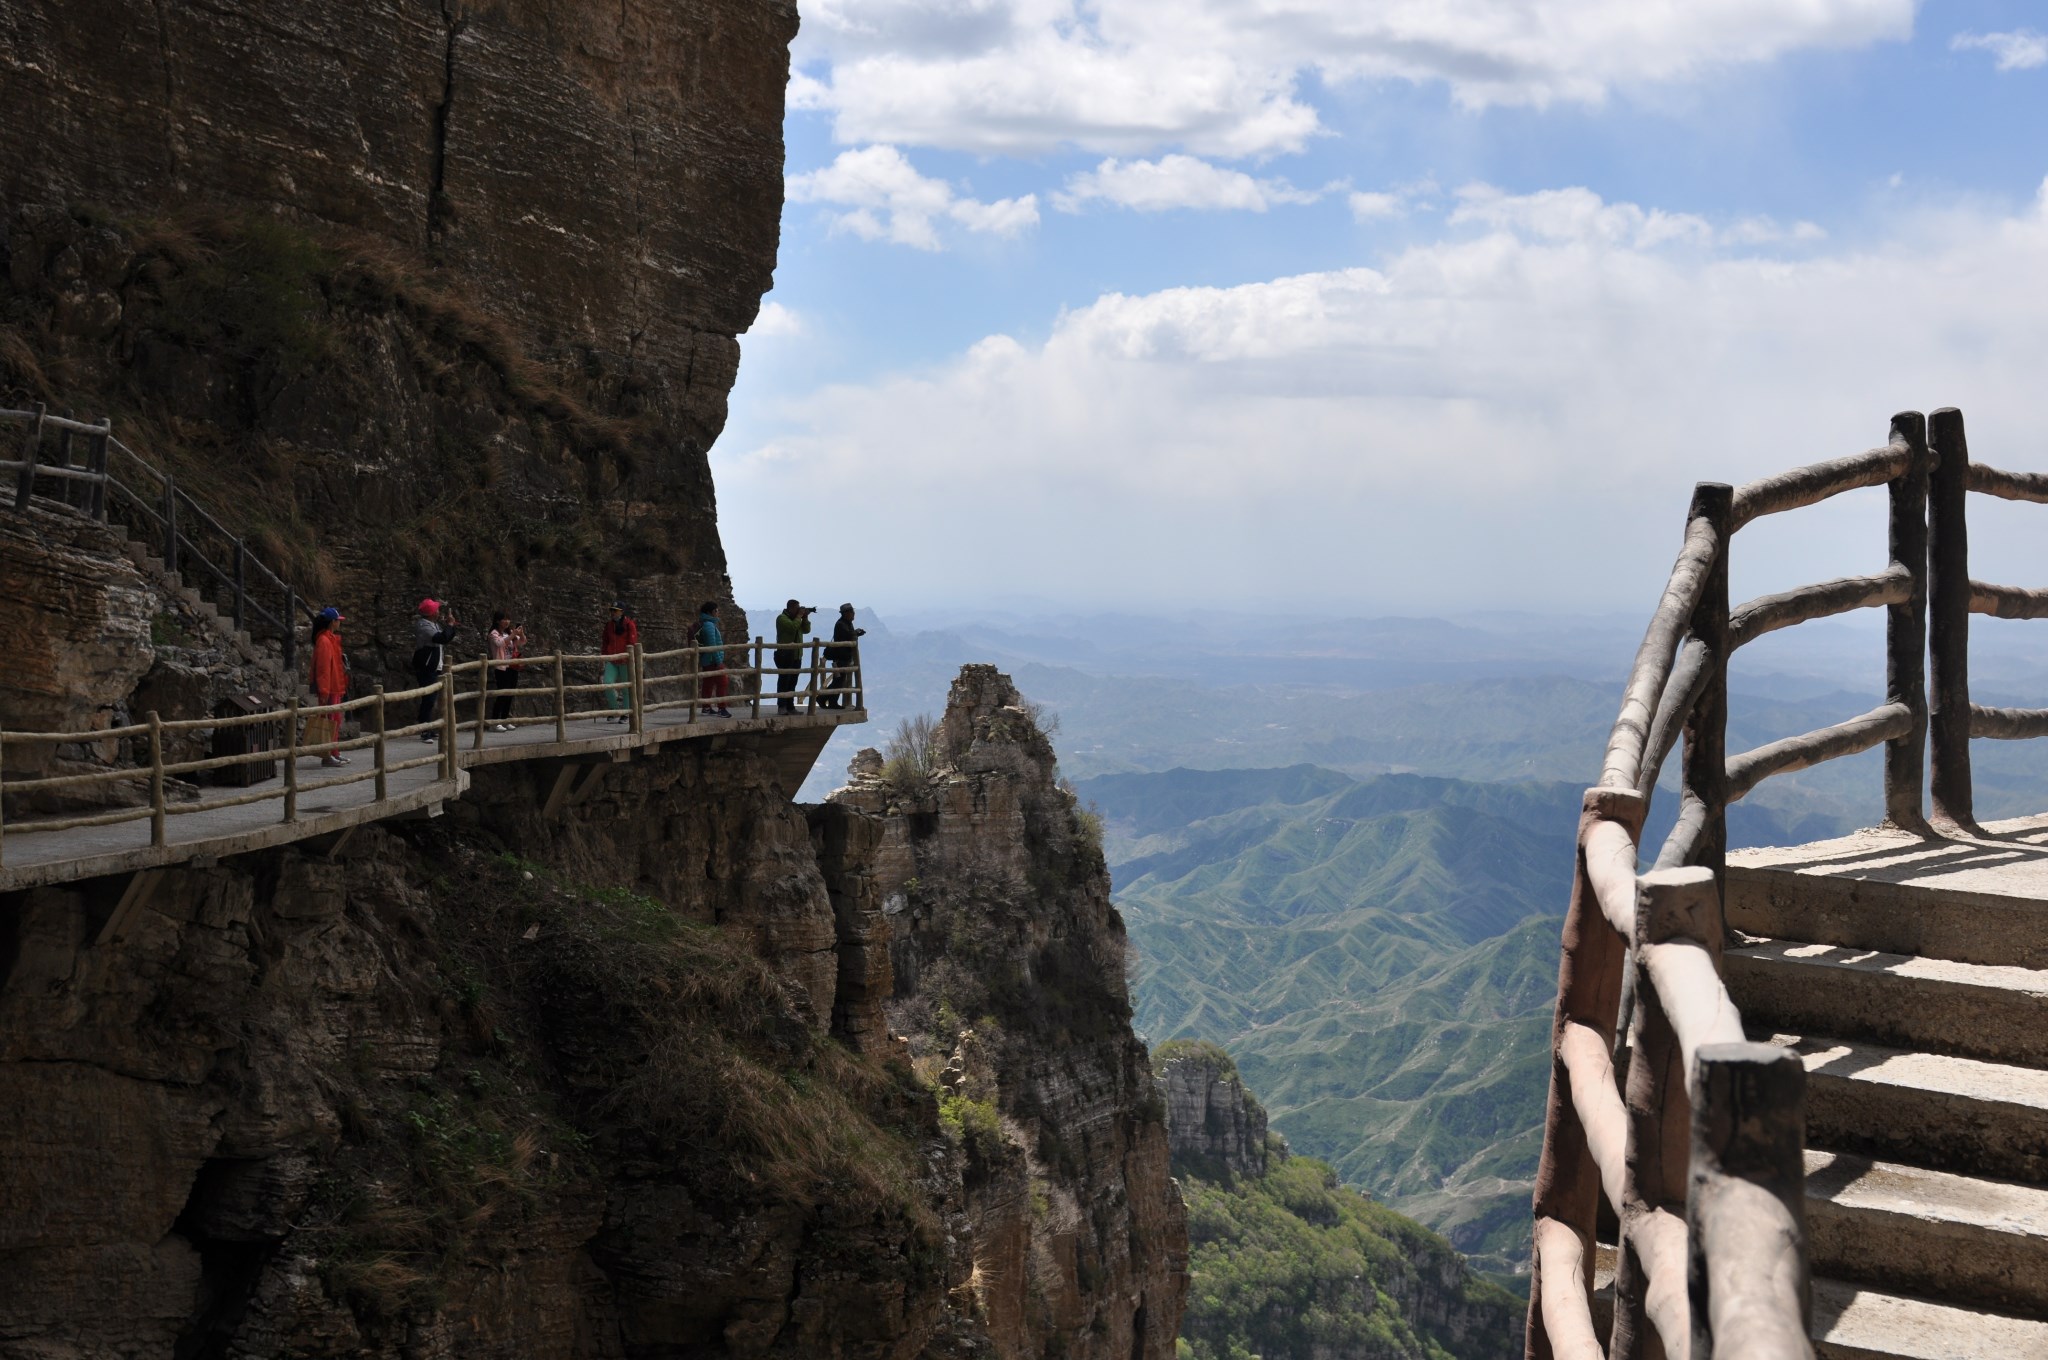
point(331, 614)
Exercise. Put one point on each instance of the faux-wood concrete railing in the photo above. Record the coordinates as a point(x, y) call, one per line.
point(1683, 1139)
point(1953, 597)
point(166, 515)
point(635, 696)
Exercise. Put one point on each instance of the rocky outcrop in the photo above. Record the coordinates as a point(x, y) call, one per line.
point(1213, 1123)
point(561, 1072)
point(1006, 979)
point(77, 619)
point(607, 175)
point(420, 297)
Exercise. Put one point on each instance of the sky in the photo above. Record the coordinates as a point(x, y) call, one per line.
point(1378, 306)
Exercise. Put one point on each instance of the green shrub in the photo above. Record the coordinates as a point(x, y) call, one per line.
point(911, 756)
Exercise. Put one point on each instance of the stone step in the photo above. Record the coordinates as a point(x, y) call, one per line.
point(1851, 1322)
point(1931, 1109)
point(1976, 1010)
point(1968, 925)
point(1960, 1239)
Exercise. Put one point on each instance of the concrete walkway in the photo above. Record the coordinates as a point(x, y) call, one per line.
point(32, 858)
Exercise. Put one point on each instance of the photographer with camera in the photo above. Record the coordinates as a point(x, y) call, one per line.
point(844, 654)
point(790, 627)
point(432, 630)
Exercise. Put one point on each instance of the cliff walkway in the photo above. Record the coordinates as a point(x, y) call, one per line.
point(113, 800)
point(167, 818)
point(1799, 1097)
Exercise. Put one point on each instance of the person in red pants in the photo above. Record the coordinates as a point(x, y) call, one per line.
point(330, 676)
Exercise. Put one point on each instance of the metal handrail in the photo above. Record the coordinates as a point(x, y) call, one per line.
point(172, 507)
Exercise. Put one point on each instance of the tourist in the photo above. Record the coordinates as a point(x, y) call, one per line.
point(619, 638)
point(330, 679)
point(710, 660)
point(844, 656)
point(432, 631)
point(507, 643)
point(790, 627)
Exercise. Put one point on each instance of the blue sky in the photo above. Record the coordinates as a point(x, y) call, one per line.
point(1402, 307)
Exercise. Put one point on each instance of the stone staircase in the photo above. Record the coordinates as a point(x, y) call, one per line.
point(1921, 1015)
point(265, 655)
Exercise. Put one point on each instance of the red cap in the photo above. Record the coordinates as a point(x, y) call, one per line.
point(430, 607)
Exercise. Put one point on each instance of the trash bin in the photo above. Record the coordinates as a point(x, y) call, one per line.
point(243, 739)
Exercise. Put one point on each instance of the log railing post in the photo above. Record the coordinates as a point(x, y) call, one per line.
point(156, 779)
point(382, 758)
point(451, 730)
point(1948, 619)
point(25, 484)
point(636, 693)
point(1905, 625)
point(1705, 769)
point(1671, 904)
point(291, 761)
point(1748, 1134)
point(817, 675)
point(483, 699)
point(693, 683)
point(291, 626)
point(64, 455)
point(561, 700)
point(754, 709)
point(1588, 992)
point(97, 461)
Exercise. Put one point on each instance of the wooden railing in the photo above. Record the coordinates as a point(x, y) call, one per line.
point(1664, 1127)
point(661, 682)
point(100, 476)
point(1953, 597)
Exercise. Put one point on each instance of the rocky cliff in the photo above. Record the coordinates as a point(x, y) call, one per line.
point(980, 888)
point(1287, 1261)
point(1213, 1124)
point(611, 1082)
point(422, 297)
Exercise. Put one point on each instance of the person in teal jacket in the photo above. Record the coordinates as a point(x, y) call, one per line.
point(711, 661)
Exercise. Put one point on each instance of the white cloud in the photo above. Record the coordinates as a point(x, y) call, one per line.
point(1514, 416)
point(1581, 215)
point(2023, 49)
point(1176, 182)
point(1377, 207)
point(887, 199)
point(1221, 77)
point(776, 319)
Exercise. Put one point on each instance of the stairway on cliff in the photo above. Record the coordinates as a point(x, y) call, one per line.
point(266, 655)
point(1911, 977)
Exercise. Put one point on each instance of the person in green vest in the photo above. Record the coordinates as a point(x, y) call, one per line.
point(790, 627)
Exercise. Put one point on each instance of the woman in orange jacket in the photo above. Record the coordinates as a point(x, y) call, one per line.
point(330, 675)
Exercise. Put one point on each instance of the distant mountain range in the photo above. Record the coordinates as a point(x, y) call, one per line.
point(1380, 955)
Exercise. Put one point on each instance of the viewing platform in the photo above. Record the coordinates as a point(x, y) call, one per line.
point(394, 774)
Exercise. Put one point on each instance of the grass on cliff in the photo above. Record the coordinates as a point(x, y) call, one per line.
point(678, 1049)
point(1294, 1263)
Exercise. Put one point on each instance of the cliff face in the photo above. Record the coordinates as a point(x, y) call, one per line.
point(1288, 1261)
point(608, 174)
point(1212, 1122)
point(1006, 980)
point(422, 297)
point(588, 1084)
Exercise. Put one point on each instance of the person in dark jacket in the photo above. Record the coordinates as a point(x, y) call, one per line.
point(432, 631)
point(790, 627)
point(844, 656)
